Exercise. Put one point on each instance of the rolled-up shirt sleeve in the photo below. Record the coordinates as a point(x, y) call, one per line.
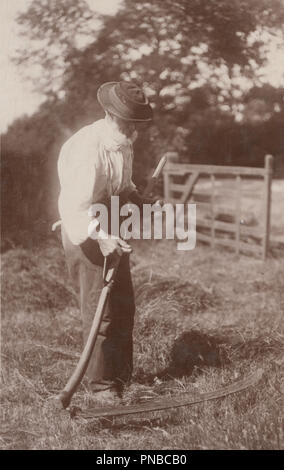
point(81, 175)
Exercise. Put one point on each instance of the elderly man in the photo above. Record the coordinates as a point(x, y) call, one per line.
point(95, 164)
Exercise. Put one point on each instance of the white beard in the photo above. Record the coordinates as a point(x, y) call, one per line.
point(113, 139)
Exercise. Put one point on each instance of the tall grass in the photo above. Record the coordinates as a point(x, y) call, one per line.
point(204, 319)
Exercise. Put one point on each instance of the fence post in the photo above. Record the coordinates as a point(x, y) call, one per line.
point(212, 177)
point(172, 157)
point(267, 203)
point(166, 185)
point(238, 212)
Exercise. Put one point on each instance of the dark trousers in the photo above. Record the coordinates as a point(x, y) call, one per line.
point(111, 363)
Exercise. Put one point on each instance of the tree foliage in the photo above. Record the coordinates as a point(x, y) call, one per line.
point(188, 55)
point(170, 32)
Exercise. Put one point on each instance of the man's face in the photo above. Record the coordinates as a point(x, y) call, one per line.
point(125, 127)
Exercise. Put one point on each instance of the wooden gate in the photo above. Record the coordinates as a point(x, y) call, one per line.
point(215, 227)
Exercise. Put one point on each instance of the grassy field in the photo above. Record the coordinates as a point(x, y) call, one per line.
point(204, 320)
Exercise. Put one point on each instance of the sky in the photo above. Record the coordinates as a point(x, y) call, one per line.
point(18, 98)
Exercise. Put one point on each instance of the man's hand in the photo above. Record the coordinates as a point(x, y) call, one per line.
point(139, 200)
point(114, 246)
point(159, 202)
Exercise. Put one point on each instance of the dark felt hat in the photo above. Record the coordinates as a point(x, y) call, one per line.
point(125, 100)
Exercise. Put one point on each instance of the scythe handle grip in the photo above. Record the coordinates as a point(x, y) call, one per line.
point(152, 182)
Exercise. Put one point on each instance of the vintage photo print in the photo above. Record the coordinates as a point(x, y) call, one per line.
point(142, 236)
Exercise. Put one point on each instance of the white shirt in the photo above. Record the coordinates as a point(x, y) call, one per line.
point(94, 164)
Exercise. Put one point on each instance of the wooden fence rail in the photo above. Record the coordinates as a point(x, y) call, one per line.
point(209, 229)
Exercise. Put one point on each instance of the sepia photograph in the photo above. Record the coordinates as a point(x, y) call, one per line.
point(142, 227)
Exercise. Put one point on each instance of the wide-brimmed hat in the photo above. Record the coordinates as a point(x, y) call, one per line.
point(125, 100)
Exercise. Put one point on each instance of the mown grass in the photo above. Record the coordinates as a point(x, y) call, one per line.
point(204, 319)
